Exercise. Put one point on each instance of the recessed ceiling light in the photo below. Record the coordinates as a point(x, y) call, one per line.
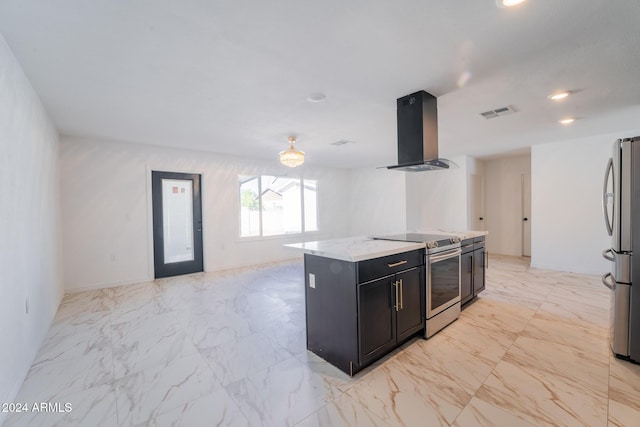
point(509, 3)
point(557, 96)
point(567, 121)
point(316, 97)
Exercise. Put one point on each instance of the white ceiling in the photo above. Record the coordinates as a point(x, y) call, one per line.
point(233, 76)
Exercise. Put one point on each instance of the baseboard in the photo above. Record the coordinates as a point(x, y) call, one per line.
point(225, 269)
point(566, 269)
point(106, 285)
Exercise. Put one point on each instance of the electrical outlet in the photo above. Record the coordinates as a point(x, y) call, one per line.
point(312, 280)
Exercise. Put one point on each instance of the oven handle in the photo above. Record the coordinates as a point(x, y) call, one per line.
point(606, 282)
point(443, 256)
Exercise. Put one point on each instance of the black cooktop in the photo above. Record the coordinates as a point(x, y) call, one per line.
point(432, 240)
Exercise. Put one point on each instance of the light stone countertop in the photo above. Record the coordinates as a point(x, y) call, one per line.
point(355, 249)
point(469, 234)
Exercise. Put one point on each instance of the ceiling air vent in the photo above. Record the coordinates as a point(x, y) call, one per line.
point(499, 112)
point(342, 142)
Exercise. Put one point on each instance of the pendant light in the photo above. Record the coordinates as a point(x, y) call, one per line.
point(292, 157)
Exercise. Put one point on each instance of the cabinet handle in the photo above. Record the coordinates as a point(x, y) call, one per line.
point(471, 264)
point(401, 295)
point(395, 285)
point(395, 264)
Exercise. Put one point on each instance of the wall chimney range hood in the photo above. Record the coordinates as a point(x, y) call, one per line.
point(418, 134)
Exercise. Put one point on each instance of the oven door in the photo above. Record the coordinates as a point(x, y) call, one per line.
point(443, 280)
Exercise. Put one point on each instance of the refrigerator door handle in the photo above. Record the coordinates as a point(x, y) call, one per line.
point(606, 196)
point(608, 255)
point(611, 285)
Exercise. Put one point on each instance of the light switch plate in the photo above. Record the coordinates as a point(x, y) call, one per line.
point(312, 280)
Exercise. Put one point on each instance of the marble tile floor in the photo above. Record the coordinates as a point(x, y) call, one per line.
point(229, 349)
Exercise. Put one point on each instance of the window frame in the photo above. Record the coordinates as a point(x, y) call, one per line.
point(260, 236)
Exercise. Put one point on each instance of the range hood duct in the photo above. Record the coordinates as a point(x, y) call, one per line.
point(418, 134)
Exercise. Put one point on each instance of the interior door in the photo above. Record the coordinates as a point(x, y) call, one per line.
point(477, 203)
point(177, 223)
point(526, 214)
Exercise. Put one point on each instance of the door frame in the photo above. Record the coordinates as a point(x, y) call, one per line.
point(524, 202)
point(472, 208)
point(149, 190)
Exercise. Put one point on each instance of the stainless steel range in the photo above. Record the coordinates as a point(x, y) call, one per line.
point(442, 264)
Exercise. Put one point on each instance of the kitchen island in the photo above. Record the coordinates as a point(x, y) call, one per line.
point(363, 298)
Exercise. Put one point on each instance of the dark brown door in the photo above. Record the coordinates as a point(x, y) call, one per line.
point(410, 314)
point(466, 277)
point(478, 270)
point(377, 318)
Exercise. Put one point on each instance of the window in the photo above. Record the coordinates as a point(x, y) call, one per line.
point(273, 206)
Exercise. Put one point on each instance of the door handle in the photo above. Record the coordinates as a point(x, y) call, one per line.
point(395, 264)
point(606, 196)
point(608, 254)
point(395, 285)
point(611, 285)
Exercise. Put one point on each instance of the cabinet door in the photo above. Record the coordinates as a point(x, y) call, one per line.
point(410, 311)
point(466, 277)
point(478, 270)
point(376, 318)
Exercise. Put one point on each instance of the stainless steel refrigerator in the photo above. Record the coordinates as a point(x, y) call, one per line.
point(621, 206)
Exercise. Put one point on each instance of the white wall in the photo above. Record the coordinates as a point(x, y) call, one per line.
point(106, 209)
point(568, 231)
point(438, 199)
point(378, 202)
point(503, 203)
point(29, 224)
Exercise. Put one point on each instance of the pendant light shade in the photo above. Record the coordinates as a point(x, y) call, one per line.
point(292, 157)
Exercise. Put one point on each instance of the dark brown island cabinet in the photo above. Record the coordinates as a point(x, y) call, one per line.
point(472, 268)
point(359, 311)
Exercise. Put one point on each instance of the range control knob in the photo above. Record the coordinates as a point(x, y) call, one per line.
point(432, 245)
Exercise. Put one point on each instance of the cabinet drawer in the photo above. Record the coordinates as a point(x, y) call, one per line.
point(391, 264)
point(466, 246)
point(479, 239)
